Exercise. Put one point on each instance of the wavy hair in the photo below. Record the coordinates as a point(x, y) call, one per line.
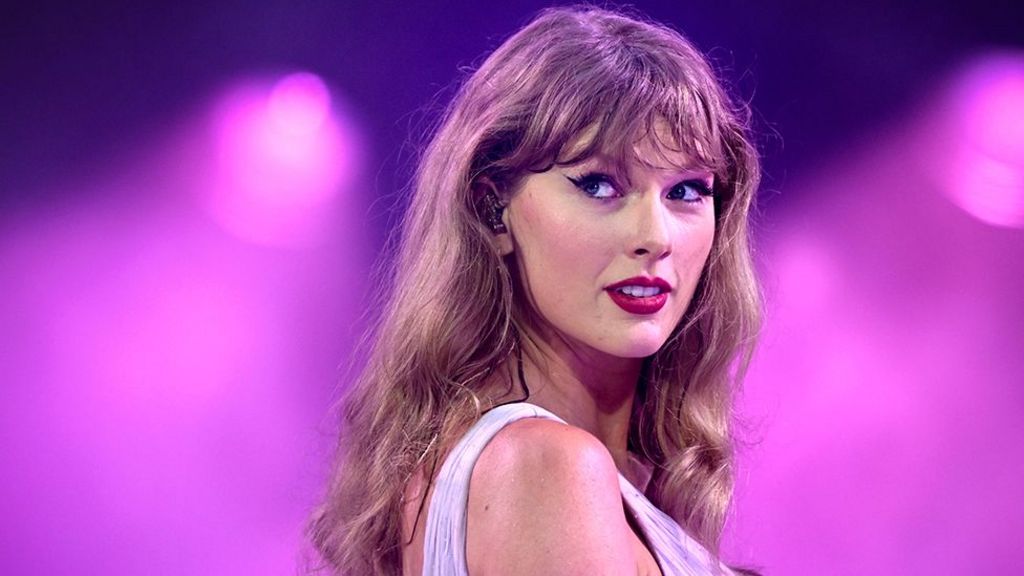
point(453, 316)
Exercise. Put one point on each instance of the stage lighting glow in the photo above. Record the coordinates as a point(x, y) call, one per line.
point(987, 178)
point(285, 154)
point(299, 103)
point(811, 273)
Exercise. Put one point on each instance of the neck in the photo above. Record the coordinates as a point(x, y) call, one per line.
point(586, 388)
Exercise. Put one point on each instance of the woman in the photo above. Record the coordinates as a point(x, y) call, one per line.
point(573, 299)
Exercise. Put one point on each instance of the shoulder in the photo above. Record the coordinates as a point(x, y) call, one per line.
point(542, 445)
point(544, 498)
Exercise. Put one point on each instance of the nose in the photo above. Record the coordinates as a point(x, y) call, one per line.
point(652, 235)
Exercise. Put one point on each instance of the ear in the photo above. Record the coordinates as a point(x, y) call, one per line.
point(493, 211)
point(504, 239)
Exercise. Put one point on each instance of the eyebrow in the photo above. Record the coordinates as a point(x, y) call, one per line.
point(604, 163)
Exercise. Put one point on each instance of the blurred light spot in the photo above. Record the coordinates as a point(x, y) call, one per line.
point(299, 103)
point(987, 178)
point(808, 276)
point(284, 155)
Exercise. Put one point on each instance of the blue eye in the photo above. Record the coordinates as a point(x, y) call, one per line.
point(595, 185)
point(690, 191)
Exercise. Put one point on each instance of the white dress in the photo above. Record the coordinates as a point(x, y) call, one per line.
point(444, 547)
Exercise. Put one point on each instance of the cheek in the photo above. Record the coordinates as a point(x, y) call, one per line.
point(559, 254)
point(705, 241)
point(702, 236)
point(550, 234)
point(693, 251)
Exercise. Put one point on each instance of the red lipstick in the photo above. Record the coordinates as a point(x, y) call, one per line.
point(636, 302)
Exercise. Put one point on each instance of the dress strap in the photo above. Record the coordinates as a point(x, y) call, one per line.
point(676, 552)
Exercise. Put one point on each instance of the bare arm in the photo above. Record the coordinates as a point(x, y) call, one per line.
point(544, 499)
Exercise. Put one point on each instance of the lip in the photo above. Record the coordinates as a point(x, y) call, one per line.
point(641, 306)
point(642, 281)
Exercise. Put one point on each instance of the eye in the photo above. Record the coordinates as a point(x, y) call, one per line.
point(690, 191)
point(595, 185)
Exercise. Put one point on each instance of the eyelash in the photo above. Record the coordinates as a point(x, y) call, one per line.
point(583, 182)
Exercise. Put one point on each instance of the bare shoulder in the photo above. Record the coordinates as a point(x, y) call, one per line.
point(544, 498)
point(548, 447)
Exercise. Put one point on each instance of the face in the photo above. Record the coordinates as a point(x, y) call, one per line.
point(610, 261)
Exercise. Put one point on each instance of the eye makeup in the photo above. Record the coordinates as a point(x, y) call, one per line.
point(596, 185)
point(600, 185)
point(692, 190)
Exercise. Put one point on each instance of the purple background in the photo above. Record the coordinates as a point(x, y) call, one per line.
point(192, 197)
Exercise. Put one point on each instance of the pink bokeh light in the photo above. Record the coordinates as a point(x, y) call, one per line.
point(983, 166)
point(284, 155)
point(164, 378)
point(884, 405)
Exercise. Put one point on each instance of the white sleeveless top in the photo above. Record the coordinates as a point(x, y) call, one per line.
point(444, 546)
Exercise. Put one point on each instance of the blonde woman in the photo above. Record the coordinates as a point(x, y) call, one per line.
point(550, 385)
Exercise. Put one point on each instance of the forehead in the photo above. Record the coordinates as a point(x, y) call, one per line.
point(657, 148)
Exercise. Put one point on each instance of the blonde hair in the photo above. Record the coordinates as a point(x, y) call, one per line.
point(453, 317)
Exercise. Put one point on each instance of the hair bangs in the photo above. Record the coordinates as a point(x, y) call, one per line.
point(612, 99)
point(659, 122)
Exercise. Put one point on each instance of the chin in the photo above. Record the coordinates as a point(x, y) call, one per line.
point(640, 351)
point(640, 346)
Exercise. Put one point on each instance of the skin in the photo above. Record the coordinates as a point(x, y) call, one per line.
point(585, 355)
point(544, 497)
